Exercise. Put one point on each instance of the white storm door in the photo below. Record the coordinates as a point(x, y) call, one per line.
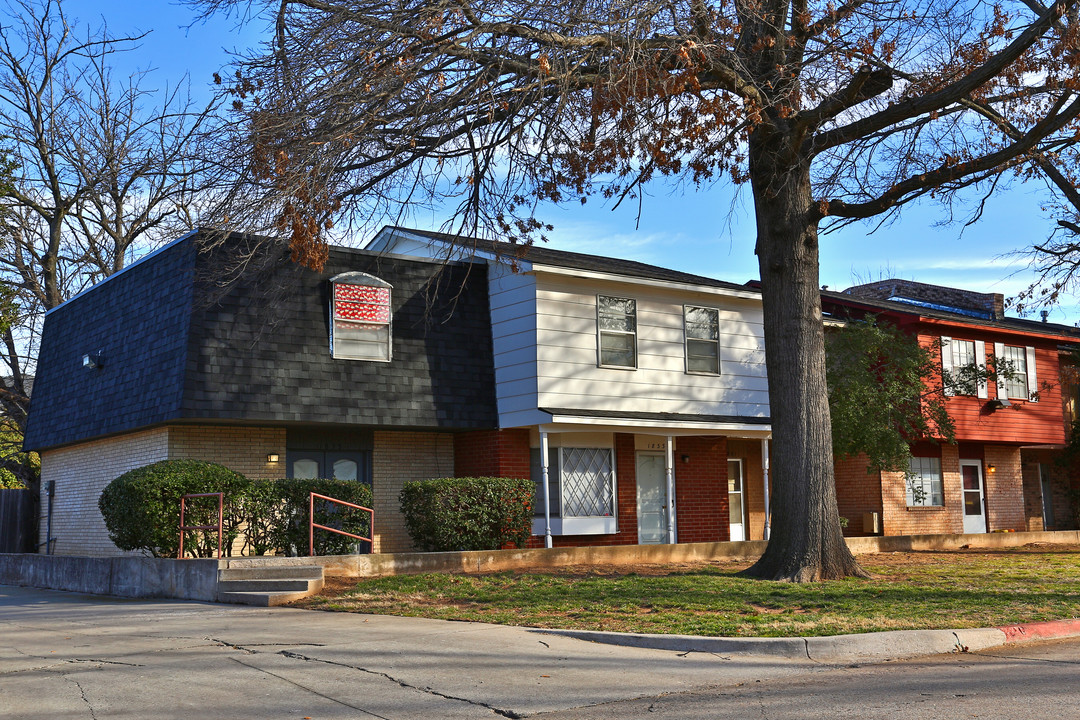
point(736, 500)
point(972, 480)
point(652, 519)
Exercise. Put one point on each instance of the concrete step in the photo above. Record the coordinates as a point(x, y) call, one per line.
point(261, 599)
point(278, 572)
point(268, 585)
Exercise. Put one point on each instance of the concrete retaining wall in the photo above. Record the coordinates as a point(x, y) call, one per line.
point(630, 555)
point(140, 577)
point(197, 579)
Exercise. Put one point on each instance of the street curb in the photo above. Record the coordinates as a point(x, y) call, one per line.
point(838, 649)
point(1041, 630)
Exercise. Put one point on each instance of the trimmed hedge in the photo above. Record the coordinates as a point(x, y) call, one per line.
point(467, 513)
point(291, 536)
point(141, 509)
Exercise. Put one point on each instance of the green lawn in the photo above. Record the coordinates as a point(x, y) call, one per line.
point(908, 590)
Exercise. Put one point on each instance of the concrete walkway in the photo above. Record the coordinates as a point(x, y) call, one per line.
point(68, 655)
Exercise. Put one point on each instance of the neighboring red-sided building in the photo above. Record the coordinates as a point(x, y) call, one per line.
point(1002, 474)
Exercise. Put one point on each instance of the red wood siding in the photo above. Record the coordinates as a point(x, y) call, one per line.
point(1026, 423)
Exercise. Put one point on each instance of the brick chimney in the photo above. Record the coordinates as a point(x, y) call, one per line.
point(990, 305)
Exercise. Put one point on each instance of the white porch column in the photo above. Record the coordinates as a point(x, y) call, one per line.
point(765, 479)
point(669, 463)
point(547, 491)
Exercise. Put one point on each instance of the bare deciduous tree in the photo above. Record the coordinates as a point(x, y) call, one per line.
point(96, 167)
point(832, 112)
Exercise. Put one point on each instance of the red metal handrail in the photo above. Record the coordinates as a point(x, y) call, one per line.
point(312, 524)
point(220, 513)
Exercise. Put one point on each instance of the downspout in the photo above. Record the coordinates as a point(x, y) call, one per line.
point(765, 479)
point(669, 462)
point(547, 491)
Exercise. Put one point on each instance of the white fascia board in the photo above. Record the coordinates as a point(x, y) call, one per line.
point(572, 423)
point(127, 267)
point(385, 239)
point(650, 282)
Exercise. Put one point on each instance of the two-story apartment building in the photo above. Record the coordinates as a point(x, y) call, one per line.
point(1001, 473)
point(637, 392)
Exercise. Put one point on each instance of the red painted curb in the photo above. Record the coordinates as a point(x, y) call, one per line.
point(1041, 630)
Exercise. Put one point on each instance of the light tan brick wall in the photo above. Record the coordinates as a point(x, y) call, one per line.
point(1004, 488)
point(81, 472)
point(899, 519)
point(243, 449)
point(401, 456)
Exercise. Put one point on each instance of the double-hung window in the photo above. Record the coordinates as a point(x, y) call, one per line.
point(360, 317)
point(924, 486)
point(1015, 367)
point(616, 323)
point(963, 365)
point(701, 328)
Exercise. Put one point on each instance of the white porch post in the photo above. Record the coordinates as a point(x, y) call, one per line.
point(669, 462)
point(765, 479)
point(547, 492)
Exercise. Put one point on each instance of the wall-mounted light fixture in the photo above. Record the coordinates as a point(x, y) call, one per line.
point(93, 361)
point(686, 458)
point(991, 469)
point(273, 457)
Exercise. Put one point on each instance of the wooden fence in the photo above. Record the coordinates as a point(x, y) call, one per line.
point(17, 521)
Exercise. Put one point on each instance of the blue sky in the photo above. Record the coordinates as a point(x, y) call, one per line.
point(708, 231)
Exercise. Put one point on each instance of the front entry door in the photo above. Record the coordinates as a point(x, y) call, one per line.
point(652, 517)
point(736, 500)
point(974, 516)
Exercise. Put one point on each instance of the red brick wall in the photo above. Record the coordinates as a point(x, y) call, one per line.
point(858, 491)
point(701, 499)
point(492, 453)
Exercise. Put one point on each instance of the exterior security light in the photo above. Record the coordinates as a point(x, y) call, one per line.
point(93, 361)
point(272, 457)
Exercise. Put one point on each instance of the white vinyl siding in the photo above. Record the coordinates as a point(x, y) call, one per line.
point(568, 377)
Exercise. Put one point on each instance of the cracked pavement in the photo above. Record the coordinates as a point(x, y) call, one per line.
point(64, 655)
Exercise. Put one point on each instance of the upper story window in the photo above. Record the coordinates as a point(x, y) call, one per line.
point(616, 323)
point(701, 327)
point(360, 312)
point(963, 365)
point(1016, 376)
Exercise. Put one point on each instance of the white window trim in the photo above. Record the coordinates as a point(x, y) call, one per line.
point(929, 495)
point(582, 525)
point(948, 363)
point(599, 333)
point(362, 278)
point(1032, 380)
point(686, 344)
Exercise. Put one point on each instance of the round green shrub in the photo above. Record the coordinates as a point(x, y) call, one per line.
point(141, 508)
point(467, 513)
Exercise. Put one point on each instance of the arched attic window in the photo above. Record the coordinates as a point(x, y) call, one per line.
point(360, 317)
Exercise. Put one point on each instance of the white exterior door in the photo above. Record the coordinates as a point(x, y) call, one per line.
point(736, 500)
point(972, 480)
point(652, 519)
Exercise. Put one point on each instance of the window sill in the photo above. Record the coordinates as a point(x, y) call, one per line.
point(606, 525)
point(925, 507)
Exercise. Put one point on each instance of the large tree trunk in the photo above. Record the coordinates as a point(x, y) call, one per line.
point(806, 543)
